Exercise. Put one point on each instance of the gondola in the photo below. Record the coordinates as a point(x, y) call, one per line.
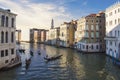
point(52, 58)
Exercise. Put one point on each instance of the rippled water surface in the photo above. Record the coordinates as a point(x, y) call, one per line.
point(72, 65)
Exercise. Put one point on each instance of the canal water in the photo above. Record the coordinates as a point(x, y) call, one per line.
point(72, 65)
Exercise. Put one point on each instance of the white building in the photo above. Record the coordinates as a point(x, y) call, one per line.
point(7, 37)
point(113, 30)
point(54, 35)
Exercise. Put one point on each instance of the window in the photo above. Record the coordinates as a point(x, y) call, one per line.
point(6, 36)
point(115, 11)
point(118, 10)
point(6, 61)
point(110, 23)
point(115, 43)
point(83, 46)
point(92, 34)
point(12, 51)
point(86, 46)
point(97, 27)
point(115, 33)
point(110, 33)
point(110, 43)
point(12, 23)
point(62, 34)
point(2, 53)
point(91, 46)
point(12, 37)
point(106, 42)
point(110, 14)
point(96, 46)
point(92, 27)
point(87, 27)
point(6, 52)
point(86, 34)
point(2, 37)
point(2, 20)
point(96, 20)
point(115, 21)
point(6, 21)
point(118, 20)
point(97, 34)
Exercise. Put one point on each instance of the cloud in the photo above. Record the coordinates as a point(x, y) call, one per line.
point(35, 15)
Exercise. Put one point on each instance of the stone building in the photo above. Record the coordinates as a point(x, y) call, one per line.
point(90, 33)
point(67, 30)
point(7, 37)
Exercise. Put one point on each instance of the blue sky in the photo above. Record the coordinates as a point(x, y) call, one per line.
point(38, 13)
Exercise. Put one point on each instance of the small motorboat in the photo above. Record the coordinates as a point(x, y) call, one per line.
point(52, 58)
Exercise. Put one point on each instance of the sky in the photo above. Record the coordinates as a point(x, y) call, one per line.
point(39, 13)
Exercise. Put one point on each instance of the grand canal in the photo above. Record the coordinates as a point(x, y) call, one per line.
point(72, 65)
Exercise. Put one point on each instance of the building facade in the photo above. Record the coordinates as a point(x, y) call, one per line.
point(7, 37)
point(113, 30)
point(67, 31)
point(90, 33)
point(54, 36)
point(18, 36)
point(37, 35)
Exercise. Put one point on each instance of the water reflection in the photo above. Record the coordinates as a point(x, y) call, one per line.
point(71, 66)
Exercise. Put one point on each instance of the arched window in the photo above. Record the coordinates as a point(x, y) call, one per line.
point(96, 46)
point(86, 46)
point(12, 22)
point(12, 37)
point(6, 21)
point(2, 37)
point(91, 46)
point(6, 37)
point(2, 20)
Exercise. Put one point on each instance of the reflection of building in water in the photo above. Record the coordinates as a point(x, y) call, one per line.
point(113, 30)
point(18, 36)
point(37, 35)
point(51, 51)
point(72, 63)
point(7, 37)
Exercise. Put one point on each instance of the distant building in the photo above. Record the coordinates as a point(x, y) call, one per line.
point(54, 36)
point(43, 36)
point(90, 33)
point(7, 37)
point(113, 30)
point(37, 35)
point(67, 30)
point(18, 36)
point(34, 35)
